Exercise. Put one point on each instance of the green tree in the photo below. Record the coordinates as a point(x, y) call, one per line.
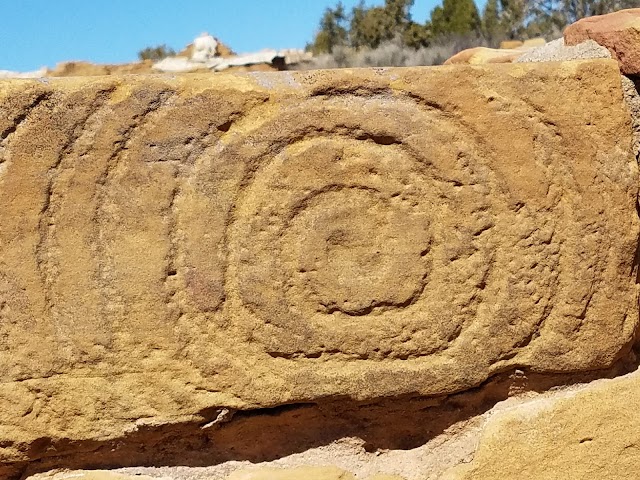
point(369, 27)
point(417, 35)
point(577, 9)
point(491, 21)
point(372, 26)
point(332, 32)
point(358, 27)
point(455, 17)
point(398, 13)
point(156, 53)
point(549, 17)
point(515, 18)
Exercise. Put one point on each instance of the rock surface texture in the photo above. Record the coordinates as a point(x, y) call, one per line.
point(619, 32)
point(180, 255)
point(542, 439)
point(483, 55)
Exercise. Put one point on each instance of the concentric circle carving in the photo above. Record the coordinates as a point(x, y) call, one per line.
point(367, 228)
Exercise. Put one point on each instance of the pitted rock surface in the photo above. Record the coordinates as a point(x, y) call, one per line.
point(173, 247)
point(542, 439)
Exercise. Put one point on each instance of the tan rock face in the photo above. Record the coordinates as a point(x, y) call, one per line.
point(311, 473)
point(298, 473)
point(483, 55)
point(619, 32)
point(91, 475)
point(84, 69)
point(171, 247)
point(307, 473)
point(594, 433)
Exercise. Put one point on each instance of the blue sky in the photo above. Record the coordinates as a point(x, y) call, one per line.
point(37, 33)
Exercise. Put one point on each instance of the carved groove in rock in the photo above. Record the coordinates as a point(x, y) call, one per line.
point(375, 300)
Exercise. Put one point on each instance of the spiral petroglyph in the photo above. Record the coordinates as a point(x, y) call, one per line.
point(391, 234)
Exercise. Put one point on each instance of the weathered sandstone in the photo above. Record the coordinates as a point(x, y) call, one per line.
point(299, 473)
point(92, 475)
point(309, 473)
point(483, 55)
point(175, 250)
point(619, 32)
point(590, 433)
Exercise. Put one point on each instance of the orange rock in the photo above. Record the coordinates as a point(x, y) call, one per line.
point(482, 55)
point(619, 32)
point(224, 51)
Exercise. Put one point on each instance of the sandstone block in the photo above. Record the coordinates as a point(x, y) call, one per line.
point(175, 249)
point(590, 433)
point(619, 32)
point(482, 55)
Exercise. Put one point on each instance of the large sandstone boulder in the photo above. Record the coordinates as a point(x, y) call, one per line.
point(177, 250)
point(619, 32)
point(584, 431)
point(588, 433)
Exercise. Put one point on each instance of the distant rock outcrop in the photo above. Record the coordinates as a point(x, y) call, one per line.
point(522, 44)
point(205, 54)
point(221, 50)
point(619, 32)
point(508, 52)
point(82, 69)
point(480, 55)
point(208, 53)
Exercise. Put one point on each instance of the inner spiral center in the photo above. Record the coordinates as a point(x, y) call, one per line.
point(359, 251)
